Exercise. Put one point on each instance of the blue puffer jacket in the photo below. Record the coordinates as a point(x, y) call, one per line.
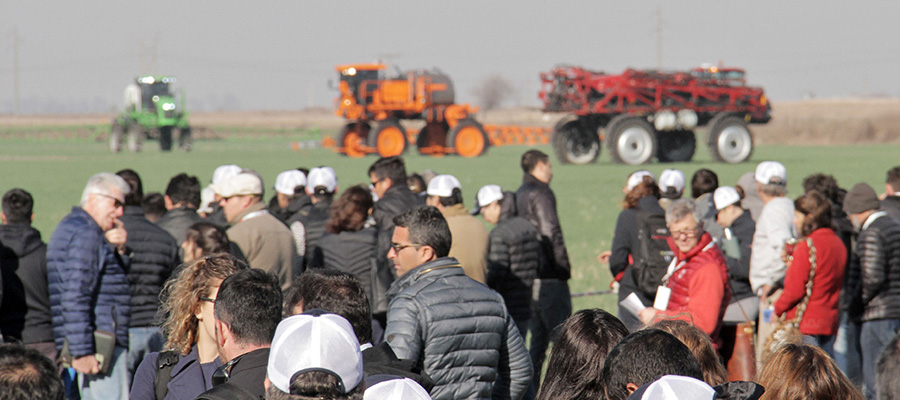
point(88, 286)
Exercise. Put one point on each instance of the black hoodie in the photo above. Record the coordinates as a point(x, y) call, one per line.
point(25, 311)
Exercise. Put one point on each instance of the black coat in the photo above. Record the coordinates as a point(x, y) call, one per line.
point(873, 284)
point(396, 200)
point(739, 269)
point(313, 225)
point(350, 252)
point(537, 204)
point(154, 256)
point(514, 258)
point(25, 311)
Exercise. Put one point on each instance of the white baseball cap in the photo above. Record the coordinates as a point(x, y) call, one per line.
point(224, 172)
point(674, 387)
point(288, 180)
point(771, 172)
point(442, 186)
point(636, 178)
point(207, 196)
point(489, 194)
point(388, 387)
point(241, 184)
point(315, 341)
point(673, 178)
point(725, 196)
point(321, 176)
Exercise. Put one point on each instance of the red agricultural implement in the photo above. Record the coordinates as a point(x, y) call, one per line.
point(643, 114)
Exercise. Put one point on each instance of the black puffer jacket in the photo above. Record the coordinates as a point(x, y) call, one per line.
point(154, 256)
point(514, 257)
point(313, 223)
point(739, 269)
point(351, 252)
point(25, 312)
point(459, 332)
point(878, 269)
point(537, 204)
point(300, 205)
point(396, 200)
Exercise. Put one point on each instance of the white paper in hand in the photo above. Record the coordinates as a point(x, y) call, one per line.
point(633, 304)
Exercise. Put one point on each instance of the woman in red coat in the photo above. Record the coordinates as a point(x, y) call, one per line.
point(812, 216)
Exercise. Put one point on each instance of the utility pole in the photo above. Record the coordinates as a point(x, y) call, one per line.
point(659, 44)
point(16, 69)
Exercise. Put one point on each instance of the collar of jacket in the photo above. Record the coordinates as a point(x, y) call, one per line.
point(84, 214)
point(705, 240)
point(396, 188)
point(134, 211)
point(455, 210)
point(872, 217)
point(440, 265)
point(258, 206)
point(529, 178)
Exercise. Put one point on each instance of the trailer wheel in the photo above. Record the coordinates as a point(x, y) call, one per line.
point(116, 134)
point(353, 138)
point(730, 140)
point(675, 146)
point(135, 137)
point(432, 139)
point(389, 139)
point(165, 138)
point(468, 138)
point(185, 140)
point(575, 141)
point(632, 141)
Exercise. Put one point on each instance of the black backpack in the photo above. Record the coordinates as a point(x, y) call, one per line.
point(653, 255)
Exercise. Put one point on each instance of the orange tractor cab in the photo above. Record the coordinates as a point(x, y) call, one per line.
point(374, 105)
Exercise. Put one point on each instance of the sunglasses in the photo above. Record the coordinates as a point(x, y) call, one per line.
point(223, 373)
point(117, 202)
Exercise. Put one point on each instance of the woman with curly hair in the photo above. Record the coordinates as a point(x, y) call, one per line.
point(189, 328)
point(804, 372)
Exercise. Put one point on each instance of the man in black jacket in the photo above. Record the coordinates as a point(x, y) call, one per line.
point(388, 178)
point(891, 201)
point(307, 227)
point(874, 277)
point(25, 311)
point(154, 256)
point(537, 204)
point(182, 200)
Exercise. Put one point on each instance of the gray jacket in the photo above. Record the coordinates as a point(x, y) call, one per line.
point(459, 332)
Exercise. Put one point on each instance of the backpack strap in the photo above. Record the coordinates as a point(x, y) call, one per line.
point(165, 363)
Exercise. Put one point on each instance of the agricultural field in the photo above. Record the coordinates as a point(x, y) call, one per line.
point(53, 158)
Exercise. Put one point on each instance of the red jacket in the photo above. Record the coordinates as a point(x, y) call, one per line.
point(700, 288)
point(821, 316)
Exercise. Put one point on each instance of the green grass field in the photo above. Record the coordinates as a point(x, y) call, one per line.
point(55, 172)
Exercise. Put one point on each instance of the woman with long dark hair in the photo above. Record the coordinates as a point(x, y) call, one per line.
point(819, 247)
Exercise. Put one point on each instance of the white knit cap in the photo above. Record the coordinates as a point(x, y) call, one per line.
point(321, 176)
point(636, 178)
point(224, 172)
point(673, 178)
point(315, 341)
point(674, 387)
point(442, 186)
point(395, 388)
point(725, 196)
point(771, 172)
point(288, 180)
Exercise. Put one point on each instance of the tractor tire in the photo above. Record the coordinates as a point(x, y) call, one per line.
point(631, 140)
point(135, 137)
point(116, 135)
point(185, 139)
point(730, 140)
point(389, 138)
point(469, 139)
point(431, 138)
point(353, 138)
point(575, 141)
point(675, 146)
point(165, 138)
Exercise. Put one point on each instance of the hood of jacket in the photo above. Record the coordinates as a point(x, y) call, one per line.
point(20, 238)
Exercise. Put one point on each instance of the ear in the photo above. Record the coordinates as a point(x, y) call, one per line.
point(3, 217)
point(889, 189)
point(389, 182)
point(427, 254)
point(169, 204)
point(631, 388)
point(223, 334)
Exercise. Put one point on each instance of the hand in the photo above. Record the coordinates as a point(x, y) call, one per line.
point(603, 258)
point(117, 235)
point(647, 314)
point(87, 365)
point(764, 293)
point(785, 258)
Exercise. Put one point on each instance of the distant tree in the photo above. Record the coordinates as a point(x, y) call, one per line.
point(493, 91)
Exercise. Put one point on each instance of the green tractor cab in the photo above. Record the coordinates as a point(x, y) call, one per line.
point(151, 112)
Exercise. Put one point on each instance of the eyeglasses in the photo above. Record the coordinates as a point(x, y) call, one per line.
point(398, 247)
point(688, 233)
point(208, 299)
point(118, 203)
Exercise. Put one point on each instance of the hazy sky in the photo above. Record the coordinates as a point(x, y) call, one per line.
point(77, 56)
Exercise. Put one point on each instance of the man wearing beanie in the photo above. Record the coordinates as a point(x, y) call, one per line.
point(873, 281)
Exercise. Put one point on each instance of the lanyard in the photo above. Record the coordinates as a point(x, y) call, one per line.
point(253, 215)
point(674, 266)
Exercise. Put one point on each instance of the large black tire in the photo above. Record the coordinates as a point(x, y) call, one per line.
point(165, 138)
point(116, 136)
point(575, 141)
point(431, 135)
point(388, 138)
point(675, 146)
point(730, 140)
point(135, 137)
point(631, 140)
point(185, 139)
point(468, 139)
point(353, 139)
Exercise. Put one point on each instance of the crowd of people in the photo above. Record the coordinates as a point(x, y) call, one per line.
point(397, 290)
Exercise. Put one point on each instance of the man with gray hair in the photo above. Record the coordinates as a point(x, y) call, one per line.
point(774, 225)
point(696, 283)
point(89, 291)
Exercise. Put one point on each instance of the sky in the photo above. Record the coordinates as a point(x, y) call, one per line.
point(78, 56)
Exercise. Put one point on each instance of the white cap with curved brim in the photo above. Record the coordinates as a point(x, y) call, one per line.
point(288, 180)
point(442, 186)
point(636, 178)
point(725, 196)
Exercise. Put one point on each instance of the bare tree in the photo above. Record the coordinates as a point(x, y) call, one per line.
point(493, 91)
